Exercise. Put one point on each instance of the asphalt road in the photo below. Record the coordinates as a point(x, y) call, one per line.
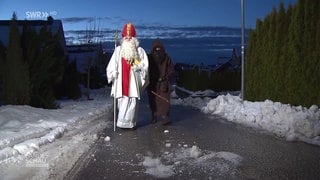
point(228, 151)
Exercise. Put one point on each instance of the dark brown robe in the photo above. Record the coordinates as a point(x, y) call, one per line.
point(161, 70)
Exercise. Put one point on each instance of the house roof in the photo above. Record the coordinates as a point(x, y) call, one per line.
point(234, 63)
point(54, 25)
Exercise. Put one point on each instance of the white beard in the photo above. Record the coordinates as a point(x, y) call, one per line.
point(129, 49)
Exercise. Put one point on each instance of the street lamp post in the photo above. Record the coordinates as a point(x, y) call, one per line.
point(242, 50)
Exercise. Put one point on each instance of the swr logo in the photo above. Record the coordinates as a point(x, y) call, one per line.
point(39, 14)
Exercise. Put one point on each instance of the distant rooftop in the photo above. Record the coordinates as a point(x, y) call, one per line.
point(55, 25)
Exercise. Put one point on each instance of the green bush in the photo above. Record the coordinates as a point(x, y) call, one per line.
point(282, 58)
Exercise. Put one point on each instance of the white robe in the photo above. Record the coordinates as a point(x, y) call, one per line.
point(139, 79)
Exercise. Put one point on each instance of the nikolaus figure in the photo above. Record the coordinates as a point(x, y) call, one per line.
point(128, 72)
point(161, 70)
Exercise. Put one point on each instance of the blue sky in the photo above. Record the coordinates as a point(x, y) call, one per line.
point(183, 24)
point(113, 14)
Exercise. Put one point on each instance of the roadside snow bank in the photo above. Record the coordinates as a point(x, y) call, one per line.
point(284, 120)
point(23, 129)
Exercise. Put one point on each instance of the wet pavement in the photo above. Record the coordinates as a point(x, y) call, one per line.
point(223, 150)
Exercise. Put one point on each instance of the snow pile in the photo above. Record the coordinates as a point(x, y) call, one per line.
point(295, 123)
point(156, 168)
point(193, 160)
point(284, 120)
point(23, 129)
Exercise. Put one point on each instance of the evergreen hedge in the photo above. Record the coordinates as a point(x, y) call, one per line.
point(283, 56)
point(196, 80)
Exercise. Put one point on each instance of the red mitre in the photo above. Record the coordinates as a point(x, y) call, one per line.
point(129, 30)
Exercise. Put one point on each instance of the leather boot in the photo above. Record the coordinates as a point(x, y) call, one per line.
point(165, 120)
point(154, 119)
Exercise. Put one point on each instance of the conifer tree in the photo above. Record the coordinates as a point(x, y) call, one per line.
point(310, 77)
point(251, 57)
point(46, 70)
point(2, 58)
point(69, 87)
point(16, 86)
point(295, 70)
point(30, 43)
point(317, 56)
point(260, 71)
point(270, 58)
point(282, 25)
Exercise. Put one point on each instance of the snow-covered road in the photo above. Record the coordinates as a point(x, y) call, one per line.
point(32, 137)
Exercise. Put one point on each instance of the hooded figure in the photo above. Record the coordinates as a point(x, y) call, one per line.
point(128, 72)
point(161, 70)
